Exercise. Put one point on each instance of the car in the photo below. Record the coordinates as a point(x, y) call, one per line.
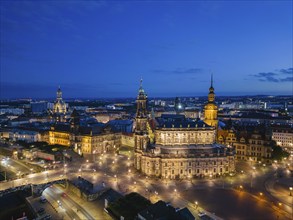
point(43, 200)
point(201, 214)
point(64, 195)
point(47, 217)
point(41, 210)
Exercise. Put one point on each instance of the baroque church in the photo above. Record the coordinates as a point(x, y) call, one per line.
point(177, 147)
point(60, 106)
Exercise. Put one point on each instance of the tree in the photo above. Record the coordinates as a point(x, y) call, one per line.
point(278, 153)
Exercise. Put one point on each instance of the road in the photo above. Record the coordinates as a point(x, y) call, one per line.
point(117, 172)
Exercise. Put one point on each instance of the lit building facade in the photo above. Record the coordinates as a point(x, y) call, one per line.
point(178, 147)
point(283, 135)
point(211, 109)
point(249, 146)
point(60, 106)
point(85, 140)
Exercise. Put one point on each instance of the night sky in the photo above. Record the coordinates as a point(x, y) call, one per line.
point(96, 49)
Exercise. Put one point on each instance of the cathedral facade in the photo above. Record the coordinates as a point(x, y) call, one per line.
point(178, 147)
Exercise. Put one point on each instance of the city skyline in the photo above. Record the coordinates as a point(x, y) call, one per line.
point(98, 49)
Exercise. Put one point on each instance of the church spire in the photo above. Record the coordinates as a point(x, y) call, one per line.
point(211, 109)
point(59, 94)
point(141, 92)
point(140, 85)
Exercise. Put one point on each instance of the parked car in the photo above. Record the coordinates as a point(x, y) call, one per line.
point(41, 210)
point(43, 200)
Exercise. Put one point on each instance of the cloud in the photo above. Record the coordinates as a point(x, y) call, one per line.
point(269, 74)
point(286, 71)
point(180, 71)
point(287, 79)
point(276, 76)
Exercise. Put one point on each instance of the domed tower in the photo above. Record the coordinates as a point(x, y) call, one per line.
point(59, 94)
point(59, 104)
point(211, 109)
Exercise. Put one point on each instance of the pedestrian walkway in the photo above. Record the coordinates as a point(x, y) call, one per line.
point(47, 206)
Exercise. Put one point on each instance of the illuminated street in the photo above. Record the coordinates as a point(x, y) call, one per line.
point(116, 171)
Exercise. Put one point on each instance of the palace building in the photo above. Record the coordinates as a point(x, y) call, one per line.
point(176, 147)
point(94, 139)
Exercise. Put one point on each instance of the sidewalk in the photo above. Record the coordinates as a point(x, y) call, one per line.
point(92, 207)
point(49, 209)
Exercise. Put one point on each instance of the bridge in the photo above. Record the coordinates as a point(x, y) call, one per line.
point(37, 189)
point(36, 185)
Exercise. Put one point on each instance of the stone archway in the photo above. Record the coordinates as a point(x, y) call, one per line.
point(37, 189)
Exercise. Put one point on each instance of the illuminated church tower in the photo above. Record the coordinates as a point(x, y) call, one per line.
point(141, 120)
point(141, 127)
point(59, 104)
point(211, 109)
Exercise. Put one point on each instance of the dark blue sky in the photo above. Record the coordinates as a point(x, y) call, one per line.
point(103, 48)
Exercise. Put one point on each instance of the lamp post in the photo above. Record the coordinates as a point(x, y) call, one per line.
point(252, 172)
point(94, 155)
point(241, 187)
point(65, 169)
point(196, 205)
point(290, 188)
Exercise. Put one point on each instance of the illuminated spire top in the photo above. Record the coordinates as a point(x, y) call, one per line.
point(140, 85)
point(141, 92)
point(212, 81)
point(59, 94)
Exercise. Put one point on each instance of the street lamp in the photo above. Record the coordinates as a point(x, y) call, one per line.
point(94, 155)
point(290, 188)
point(196, 205)
point(252, 172)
